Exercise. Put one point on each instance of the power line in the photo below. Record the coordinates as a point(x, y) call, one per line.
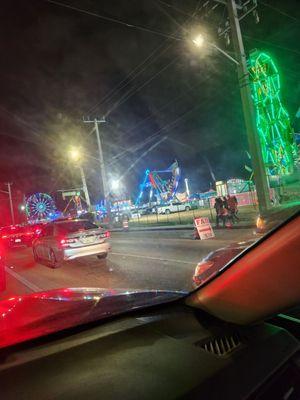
point(173, 100)
point(128, 78)
point(114, 20)
point(169, 15)
point(279, 11)
point(118, 87)
point(131, 92)
point(175, 121)
point(142, 156)
point(179, 10)
point(132, 149)
point(151, 114)
point(271, 44)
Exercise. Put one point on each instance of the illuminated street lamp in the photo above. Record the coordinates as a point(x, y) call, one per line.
point(200, 41)
point(75, 155)
point(115, 184)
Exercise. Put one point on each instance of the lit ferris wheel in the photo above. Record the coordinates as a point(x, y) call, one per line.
point(39, 206)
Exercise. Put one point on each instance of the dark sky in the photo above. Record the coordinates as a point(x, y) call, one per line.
point(58, 65)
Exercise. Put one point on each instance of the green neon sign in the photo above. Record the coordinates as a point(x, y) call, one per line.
point(273, 123)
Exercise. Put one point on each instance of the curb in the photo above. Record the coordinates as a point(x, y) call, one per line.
point(176, 228)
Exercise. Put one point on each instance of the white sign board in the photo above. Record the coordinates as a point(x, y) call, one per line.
point(204, 228)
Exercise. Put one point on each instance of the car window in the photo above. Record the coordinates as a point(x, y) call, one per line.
point(71, 227)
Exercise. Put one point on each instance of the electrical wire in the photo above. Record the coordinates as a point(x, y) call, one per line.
point(151, 114)
point(132, 91)
point(167, 126)
point(132, 149)
point(179, 10)
point(129, 78)
point(271, 44)
point(279, 11)
point(114, 20)
point(135, 90)
point(131, 133)
point(169, 16)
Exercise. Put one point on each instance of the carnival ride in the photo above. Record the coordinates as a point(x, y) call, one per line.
point(161, 185)
point(39, 206)
point(277, 140)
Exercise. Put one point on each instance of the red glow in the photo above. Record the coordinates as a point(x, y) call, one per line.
point(107, 234)
point(65, 242)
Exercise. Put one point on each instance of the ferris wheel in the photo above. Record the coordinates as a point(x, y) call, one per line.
point(39, 206)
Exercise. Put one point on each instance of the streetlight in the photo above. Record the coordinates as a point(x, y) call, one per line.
point(75, 155)
point(261, 183)
point(200, 40)
point(115, 184)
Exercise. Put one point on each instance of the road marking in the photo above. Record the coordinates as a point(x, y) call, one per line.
point(151, 258)
point(24, 281)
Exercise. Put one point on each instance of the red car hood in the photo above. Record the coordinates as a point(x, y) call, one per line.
point(217, 260)
point(30, 316)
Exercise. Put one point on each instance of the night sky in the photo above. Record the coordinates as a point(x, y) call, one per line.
point(58, 65)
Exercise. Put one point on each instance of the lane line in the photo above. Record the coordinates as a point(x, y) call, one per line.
point(24, 281)
point(151, 258)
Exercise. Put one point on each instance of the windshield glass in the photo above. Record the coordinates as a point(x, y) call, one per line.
point(168, 125)
point(75, 226)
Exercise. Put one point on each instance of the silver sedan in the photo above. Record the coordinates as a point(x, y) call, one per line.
point(70, 239)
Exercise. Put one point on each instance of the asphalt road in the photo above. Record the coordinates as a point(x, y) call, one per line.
point(139, 260)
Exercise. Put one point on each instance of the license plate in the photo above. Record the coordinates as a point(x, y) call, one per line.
point(17, 240)
point(87, 240)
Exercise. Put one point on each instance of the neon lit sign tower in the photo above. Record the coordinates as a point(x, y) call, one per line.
point(279, 150)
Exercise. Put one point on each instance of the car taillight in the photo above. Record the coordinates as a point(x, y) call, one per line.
point(4, 236)
point(107, 234)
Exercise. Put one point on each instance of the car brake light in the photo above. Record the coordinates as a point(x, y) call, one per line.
point(107, 234)
point(4, 236)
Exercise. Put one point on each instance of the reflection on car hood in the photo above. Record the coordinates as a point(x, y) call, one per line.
point(30, 316)
point(217, 260)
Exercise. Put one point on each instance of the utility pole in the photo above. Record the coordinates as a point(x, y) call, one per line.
point(97, 121)
point(85, 189)
point(10, 202)
point(261, 183)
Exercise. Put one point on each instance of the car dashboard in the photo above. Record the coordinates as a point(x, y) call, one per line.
point(165, 352)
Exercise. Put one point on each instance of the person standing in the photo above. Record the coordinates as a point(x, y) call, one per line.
point(232, 208)
point(225, 204)
point(218, 207)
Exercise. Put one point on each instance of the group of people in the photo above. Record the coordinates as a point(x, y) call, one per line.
point(226, 211)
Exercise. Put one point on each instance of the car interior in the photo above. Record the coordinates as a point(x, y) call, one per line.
point(235, 338)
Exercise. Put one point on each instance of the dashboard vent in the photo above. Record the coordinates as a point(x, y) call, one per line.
point(221, 346)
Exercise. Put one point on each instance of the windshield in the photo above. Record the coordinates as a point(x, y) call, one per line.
point(164, 133)
point(75, 226)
